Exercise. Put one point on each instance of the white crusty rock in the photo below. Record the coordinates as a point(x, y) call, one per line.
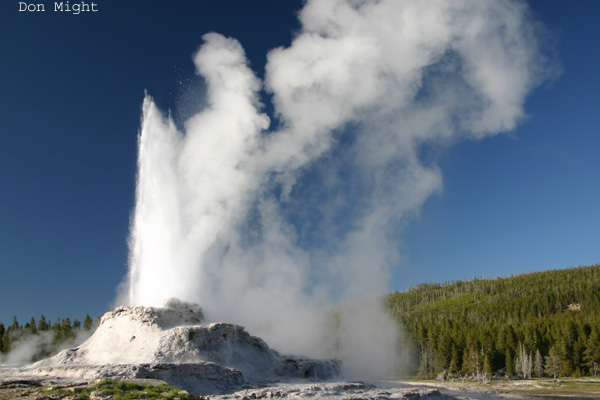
point(339, 391)
point(172, 343)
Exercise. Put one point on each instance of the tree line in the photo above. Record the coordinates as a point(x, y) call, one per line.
point(528, 325)
point(46, 337)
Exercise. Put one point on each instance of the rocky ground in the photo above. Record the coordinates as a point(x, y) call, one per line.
point(51, 389)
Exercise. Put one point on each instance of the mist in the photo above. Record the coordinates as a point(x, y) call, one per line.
point(288, 224)
point(32, 347)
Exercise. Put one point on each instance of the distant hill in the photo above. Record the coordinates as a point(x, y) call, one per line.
point(543, 323)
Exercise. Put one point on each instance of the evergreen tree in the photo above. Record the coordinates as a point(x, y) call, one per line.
point(426, 361)
point(473, 360)
point(592, 353)
point(43, 325)
point(2, 332)
point(487, 365)
point(509, 365)
point(566, 368)
point(553, 363)
point(538, 365)
point(15, 324)
point(455, 364)
point(58, 336)
point(88, 323)
point(67, 329)
point(519, 362)
point(31, 328)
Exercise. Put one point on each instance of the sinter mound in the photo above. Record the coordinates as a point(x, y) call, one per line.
point(172, 344)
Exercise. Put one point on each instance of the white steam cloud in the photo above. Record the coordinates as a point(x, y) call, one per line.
point(263, 226)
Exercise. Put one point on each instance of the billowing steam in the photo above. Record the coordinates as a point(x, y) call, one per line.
point(265, 223)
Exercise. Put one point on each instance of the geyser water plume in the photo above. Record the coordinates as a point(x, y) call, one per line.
point(268, 227)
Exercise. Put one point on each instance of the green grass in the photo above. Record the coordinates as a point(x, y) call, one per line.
point(572, 386)
point(120, 390)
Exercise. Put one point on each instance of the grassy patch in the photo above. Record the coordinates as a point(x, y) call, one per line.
point(121, 390)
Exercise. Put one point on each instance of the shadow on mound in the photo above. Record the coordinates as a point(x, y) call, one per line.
point(173, 344)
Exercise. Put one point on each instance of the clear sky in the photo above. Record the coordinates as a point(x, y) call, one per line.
point(71, 90)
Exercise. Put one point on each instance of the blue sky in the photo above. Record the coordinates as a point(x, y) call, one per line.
point(71, 93)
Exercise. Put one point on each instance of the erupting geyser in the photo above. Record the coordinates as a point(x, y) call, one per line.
point(263, 223)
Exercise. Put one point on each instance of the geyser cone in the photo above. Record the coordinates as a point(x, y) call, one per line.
point(166, 342)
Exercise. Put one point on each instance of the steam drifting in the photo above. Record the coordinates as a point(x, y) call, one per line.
point(264, 224)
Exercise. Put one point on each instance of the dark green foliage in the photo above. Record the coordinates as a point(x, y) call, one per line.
point(592, 352)
point(120, 390)
point(2, 331)
point(506, 324)
point(43, 325)
point(30, 327)
point(67, 329)
point(553, 363)
point(46, 338)
point(88, 323)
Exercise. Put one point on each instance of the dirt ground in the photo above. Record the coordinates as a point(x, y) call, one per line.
point(572, 388)
point(27, 391)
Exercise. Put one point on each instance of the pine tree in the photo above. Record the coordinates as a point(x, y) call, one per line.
point(88, 323)
point(455, 363)
point(592, 353)
point(67, 329)
point(487, 365)
point(519, 361)
point(509, 365)
point(474, 360)
point(538, 364)
point(58, 333)
point(553, 363)
point(43, 325)
point(31, 328)
point(2, 331)
point(426, 362)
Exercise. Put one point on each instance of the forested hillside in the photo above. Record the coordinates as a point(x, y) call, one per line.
point(538, 324)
